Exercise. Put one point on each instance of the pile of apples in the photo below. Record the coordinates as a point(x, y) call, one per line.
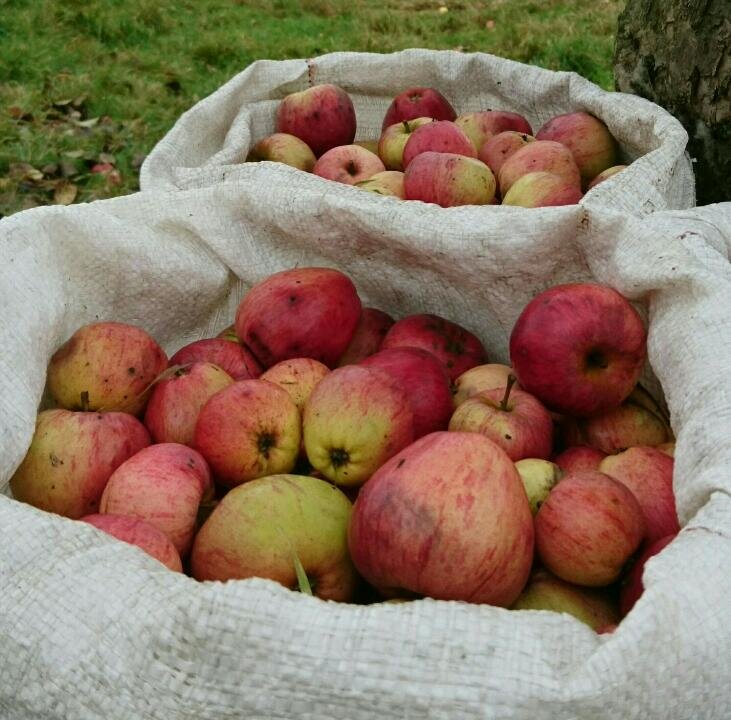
point(426, 152)
point(322, 445)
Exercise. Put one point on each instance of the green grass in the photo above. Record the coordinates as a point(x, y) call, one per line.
point(84, 83)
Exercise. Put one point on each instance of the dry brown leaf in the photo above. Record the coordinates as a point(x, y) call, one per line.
point(25, 171)
point(65, 193)
point(107, 158)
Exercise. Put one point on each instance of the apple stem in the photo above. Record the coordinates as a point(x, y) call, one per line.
point(406, 126)
point(508, 388)
point(85, 401)
point(302, 579)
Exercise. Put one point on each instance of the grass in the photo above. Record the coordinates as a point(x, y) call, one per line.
point(88, 88)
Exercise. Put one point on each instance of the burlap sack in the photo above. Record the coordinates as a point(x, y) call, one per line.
point(210, 141)
point(93, 628)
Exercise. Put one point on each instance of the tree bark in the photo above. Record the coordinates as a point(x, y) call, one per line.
point(677, 53)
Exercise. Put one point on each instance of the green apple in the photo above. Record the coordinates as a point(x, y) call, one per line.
point(539, 478)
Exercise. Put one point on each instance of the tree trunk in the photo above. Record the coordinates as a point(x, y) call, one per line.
point(677, 53)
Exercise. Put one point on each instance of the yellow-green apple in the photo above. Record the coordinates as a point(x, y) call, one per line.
point(500, 147)
point(418, 102)
point(424, 379)
point(71, 457)
point(389, 183)
point(355, 419)
point(579, 348)
point(632, 586)
point(135, 531)
point(605, 175)
point(304, 312)
point(479, 378)
point(592, 145)
point(544, 591)
point(449, 180)
point(648, 473)
point(668, 448)
point(232, 358)
point(370, 145)
point(439, 136)
point(105, 366)
point(539, 477)
point(457, 348)
point(539, 156)
point(164, 484)
point(579, 457)
point(228, 333)
point(447, 517)
point(298, 377)
point(283, 148)
point(512, 419)
point(485, 124)
point(176, 401)
point(349, 164)
point(248, 430)
point(588, 528)
point(542, 189)
point(393, 140)
point(264, 528)
point(643, 398)
point(372, 328)
point(322, 116)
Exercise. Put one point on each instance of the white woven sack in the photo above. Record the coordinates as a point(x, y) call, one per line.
point(93, 628)
point(210, 141)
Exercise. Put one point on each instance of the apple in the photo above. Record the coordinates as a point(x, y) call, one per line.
point(481, 126)
point(304, 312)
point(283, 148)
point(370, 145)
point(418, 102)
point(298, 377)
point(457, 348)
point(349, 164)
point(355, 419)
point(261, 529)
point(447, 517)
point(495, 151)
point(135, 531)
point(389, 183)
point(393, 140)
point(372, 328)
point(578, 458)
point(632, 586)
point(439, 136)
point(105, 366)
point(322, 116)
point(173, 408)
point(605, 175)
point(542, 189)
point(588, 138)
point(479, 378)
point(546, 592)
point(515, 421)
point(248, 430)
point(579, 348)
point(539, 477)
point(668, 448)
point(648, 473)
point(539, 156)
point(424, 379)
point(71, 457)
point(163, 484)
point(588, 528)
point(228, 333)
point(233, 358)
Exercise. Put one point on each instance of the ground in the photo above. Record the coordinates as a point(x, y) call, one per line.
point(87, 89)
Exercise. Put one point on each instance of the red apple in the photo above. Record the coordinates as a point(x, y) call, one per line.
point(587, 528)
point(135, 531)
point(389, 183)
point(481, 126)
point(71, 457)
point(575, 459)
point(305, 312)
point(372, 328)
point(479, 378)
point(439, 136)
point(447, 517)
point(248, 430)
point(606, 174)
point(539, 156)
point(495, 151)
point(298, 377)
point(322, 116)
point(423, 377)
point(232, 358)
point(349, 164)
point(283, 148)
point(632, 587)
point(173, 408)
point(648, 473)
point(393, 140)
point(542, 189)
point(105, 366)
point(416, 103)
point(457, 348)
point(579, 348)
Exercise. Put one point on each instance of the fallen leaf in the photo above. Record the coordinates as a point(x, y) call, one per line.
point(490, 24)
point(49, 169)
point(62, 103)
point(65, 193)
point(85, 123)
point(68, 168)
point(25, 171)
point(77, 102)
point(107, 158)
point(443, 9)
point(138, 159)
